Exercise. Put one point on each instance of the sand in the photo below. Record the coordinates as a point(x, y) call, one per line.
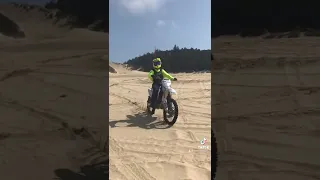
point(52, 101)
point(266, 117)
point(54, 111)
point(144, 147)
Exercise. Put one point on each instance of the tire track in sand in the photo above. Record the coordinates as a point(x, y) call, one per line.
point(135, 156)
point(133, 170)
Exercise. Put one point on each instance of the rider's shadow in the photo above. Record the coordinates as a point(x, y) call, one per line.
point(142, 120)
point(98, 171)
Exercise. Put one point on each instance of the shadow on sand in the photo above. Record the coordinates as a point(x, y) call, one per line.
point(97, 172)
point(142, 120)
point(10, 28)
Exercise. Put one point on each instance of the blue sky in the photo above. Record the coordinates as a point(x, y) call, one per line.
point(138, 26)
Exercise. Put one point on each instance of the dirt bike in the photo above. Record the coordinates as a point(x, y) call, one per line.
point(168, 104)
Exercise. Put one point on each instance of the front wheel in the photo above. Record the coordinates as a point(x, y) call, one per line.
point(171, 116)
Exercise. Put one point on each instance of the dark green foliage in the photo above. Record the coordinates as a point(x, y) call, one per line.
point(175, 60)
point(93, 14)
point(254, 18)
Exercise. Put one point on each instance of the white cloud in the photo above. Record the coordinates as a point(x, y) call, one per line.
point(161, 23)
point(142, 6)
point(174, 24)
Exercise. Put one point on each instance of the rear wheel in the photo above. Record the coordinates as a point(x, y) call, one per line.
point(171, 116)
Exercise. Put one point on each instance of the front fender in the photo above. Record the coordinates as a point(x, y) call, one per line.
point(172, 91)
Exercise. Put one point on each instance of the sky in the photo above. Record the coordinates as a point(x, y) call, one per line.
point(137, 27)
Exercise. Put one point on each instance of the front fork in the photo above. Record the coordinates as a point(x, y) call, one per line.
point(164, 99)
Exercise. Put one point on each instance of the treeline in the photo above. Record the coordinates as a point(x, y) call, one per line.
point(175, 60)
point(93, 14)
point(255, 18)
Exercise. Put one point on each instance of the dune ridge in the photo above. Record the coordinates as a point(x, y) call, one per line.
point(52, 98)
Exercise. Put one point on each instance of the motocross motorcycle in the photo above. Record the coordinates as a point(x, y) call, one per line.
point(165, 102)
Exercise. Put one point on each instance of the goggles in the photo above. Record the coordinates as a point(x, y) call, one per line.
point(157, 63)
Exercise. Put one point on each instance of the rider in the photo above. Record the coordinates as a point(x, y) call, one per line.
point(156, 75)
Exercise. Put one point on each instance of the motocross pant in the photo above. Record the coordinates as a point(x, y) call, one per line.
point(155, 91)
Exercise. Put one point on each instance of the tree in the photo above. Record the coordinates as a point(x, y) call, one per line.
point(175, 60)
point(82, 13)
point(175, 48)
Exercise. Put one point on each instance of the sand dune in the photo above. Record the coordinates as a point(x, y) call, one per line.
point(143, 147)
point(266, 108)
point(52, 100)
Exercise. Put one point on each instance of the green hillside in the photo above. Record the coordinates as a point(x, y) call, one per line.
point(175, 60)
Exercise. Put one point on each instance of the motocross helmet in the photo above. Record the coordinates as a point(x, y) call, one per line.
point(157, 63)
